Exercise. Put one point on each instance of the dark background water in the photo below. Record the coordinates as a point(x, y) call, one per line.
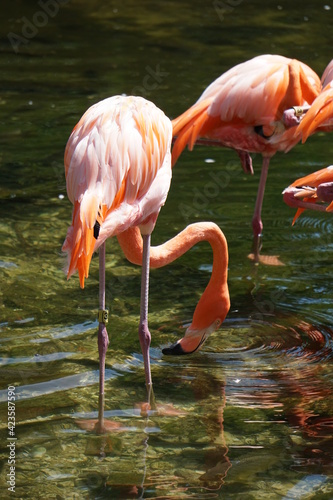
point(250, 415)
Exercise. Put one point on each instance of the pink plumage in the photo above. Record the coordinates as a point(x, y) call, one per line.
point(118, 173)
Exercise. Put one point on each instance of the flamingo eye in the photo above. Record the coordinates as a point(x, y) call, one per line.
point(217, 323)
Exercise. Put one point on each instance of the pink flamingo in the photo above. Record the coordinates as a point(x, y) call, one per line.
point(314, 191)
point(118, 174)
point(318, 116)
point(243, 109)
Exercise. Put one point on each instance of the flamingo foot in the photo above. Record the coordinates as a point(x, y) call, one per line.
point(267, 260)
point(92, 425)
point(257, 258)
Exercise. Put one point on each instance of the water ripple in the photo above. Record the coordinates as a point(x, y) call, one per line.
point(304, 342)
point(37, 358)
point(60, 384)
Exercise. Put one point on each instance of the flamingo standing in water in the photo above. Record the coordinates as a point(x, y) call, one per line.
point(243, 109)
point(118, 174)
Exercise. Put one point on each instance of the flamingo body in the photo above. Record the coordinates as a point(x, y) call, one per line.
point(243, 109)
point(320, 114)
point(118, 174)
point(315, 191)
point(253, 94)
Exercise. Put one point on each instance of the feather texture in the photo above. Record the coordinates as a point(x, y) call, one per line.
point(118, 173)
point(253, 93)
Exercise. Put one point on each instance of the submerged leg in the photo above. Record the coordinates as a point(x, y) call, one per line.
point(103, 339)
point(257, 224)
point(144, 334)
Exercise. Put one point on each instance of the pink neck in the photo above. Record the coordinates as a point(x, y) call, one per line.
point(131, 244)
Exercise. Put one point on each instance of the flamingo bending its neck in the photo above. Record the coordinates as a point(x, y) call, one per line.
point(214, 303)
point(118, 174)
point(243, 110)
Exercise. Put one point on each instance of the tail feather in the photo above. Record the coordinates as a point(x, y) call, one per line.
point(300, 88)
point(300, 210)
point(309, 91)
point(187, 127)
point(320, 112)
point(315, 179)
point(197, 127)
point(297, 214)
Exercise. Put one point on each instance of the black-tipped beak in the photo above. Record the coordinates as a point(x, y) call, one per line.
point(174, 350)
point(192, 341)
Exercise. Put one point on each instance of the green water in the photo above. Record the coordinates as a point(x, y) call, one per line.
point(250, 415)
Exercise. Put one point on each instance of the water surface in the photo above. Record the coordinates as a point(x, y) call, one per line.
point(250, 415)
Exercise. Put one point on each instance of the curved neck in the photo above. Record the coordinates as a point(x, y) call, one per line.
point(162, 255)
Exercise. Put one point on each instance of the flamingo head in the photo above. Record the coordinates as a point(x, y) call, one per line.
point(208, 317)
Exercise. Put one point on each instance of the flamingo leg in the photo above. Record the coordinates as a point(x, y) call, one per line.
point(246, 161)
point(257, 224)
point(144, 334)
point(103, 339)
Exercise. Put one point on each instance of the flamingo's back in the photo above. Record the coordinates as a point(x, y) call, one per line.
point(118, 172)
point(254, 93)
